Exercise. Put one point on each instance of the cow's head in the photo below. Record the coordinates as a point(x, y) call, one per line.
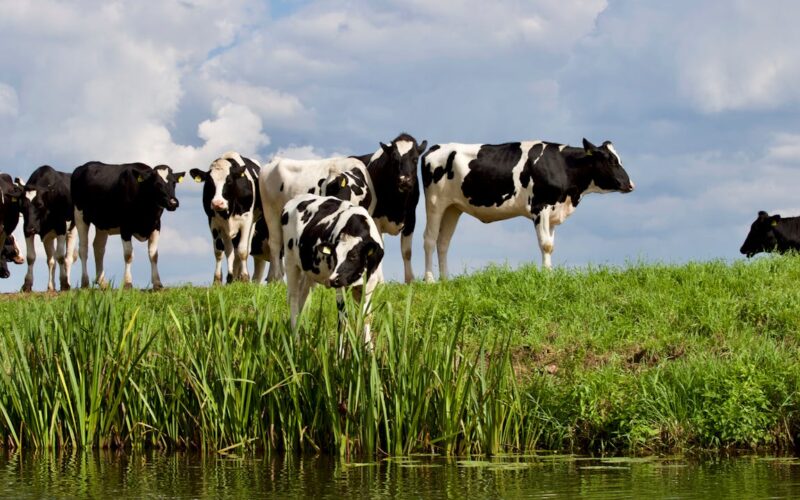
point(160, 182)
point(225, 181)
point(761, 237)
point(10, 192)
point(354, 255)
point(402, 155)
point(34, 209)
point(9, 253)
point(608, 172)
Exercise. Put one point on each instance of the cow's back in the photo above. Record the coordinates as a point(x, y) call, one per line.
point(105, 192)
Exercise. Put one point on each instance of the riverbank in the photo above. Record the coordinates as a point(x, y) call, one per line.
point(637, 359)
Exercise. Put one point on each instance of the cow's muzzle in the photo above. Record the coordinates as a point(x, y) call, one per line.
point(4, 273)
point(172, 204)
point(405, 183)
point(630, 187)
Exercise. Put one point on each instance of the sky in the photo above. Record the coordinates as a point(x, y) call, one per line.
point(700, 99)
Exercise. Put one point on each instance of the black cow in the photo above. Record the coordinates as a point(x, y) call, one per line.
point(539, 180)
point(128, 200)
point(9, 253)
point(48, 212)
point(232, 203)
point(10, 206)
point(393, 172)
point(772, 233)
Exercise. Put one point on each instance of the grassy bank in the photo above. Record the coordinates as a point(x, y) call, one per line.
point(640, 358)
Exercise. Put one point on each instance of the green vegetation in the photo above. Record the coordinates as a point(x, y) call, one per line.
point(642, 358)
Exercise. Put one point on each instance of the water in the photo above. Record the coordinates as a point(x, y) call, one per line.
point(152, 475)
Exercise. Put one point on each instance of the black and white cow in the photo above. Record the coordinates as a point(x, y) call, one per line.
point(283, 179)
point(128, 200)
point(393, 172)
point(9, 253)
point(772, 233)
point(332, 242)
point(232, 203)
point(48, 212)
point(10, 206)
point(539, 180)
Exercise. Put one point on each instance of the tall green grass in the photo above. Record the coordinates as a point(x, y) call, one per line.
point(646, 357)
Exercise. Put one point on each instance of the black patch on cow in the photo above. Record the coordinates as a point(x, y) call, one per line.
point(260, 238)
point(236, 239)
point(533, 156)
point(219, 245)
point(320, 182)
point(490, 181)
point(291, 243)
point(281, 190)
point(284, 218)
point(311, 191)
point(316, 232)
point(440, 172)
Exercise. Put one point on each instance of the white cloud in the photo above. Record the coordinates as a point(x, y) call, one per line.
point(9, 103)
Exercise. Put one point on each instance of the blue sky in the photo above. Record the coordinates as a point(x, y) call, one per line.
point(700, 99)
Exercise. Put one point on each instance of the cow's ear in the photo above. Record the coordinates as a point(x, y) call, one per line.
point(179, 176)
point(386, 149)
point(325, 249)
point(588, 146)
point(19, 182)
point(237, 171)
point(198, 175)
point(774, 220)
point(422, 147)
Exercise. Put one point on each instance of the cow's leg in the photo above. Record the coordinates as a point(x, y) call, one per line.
point(259, 265)
point(405, 249)
point(448, 227)
point(297, 288)
point(61, 254)
point(30, 257)
point(152, 252)
point(227, 243)
point(366, 303)
point(219, 251)
point(431, 235)
point(275, 241)
point(83, 246)
point(545, 237)
point(70, 238)
point(99, 247)
point(49, 243)
point(243, 252)
point(127, 255)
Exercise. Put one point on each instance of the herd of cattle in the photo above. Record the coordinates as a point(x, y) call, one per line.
point(320, 220)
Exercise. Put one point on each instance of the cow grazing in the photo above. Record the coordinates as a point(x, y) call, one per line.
point(128, 200)
point(283, 179)
point(48, 212)
point(539, 180)
point(232, 203)
point(393, 172)
point(333, 242)
point(9, 253)
point(772, 233)
point(10, 206)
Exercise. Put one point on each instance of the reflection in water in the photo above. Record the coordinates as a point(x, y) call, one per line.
point(119, 475)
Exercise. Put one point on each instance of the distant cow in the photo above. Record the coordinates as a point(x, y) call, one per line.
point(283, 179)
point(10, 206)
point(772, 233)
point(393, 172)
point(232, 203)
point(538, 180)
point(9, 253)
point(332, 242)
point(48, 212)
point(128, 200)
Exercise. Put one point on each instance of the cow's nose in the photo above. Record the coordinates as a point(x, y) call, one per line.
point(219, 205)
point(19, 259)
point(4, 273)
point(173, 203)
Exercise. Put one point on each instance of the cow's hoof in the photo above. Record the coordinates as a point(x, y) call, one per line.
point(229, 278)
point(26, 287)
point(127, 286)
point(157, 286)
point(65, 286)
point(429, 278)
point(84, 283)
point(217, 280)
point(51, 288)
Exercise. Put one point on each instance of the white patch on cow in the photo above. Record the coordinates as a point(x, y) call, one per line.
point(163, 172)
point(404, 147)
point(593, 188)
point(560, 211)
point(614, 152)
point(30, 194)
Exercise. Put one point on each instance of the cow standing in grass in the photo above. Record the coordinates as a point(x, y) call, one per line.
point(128, 200)
point(232, 203)
point(48, 212)
point(772, 233)
point(538, 180)
point(331, 242)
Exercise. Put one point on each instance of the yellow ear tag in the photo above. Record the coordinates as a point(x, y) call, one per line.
point(370, 252)
point(241, 175)
point(198, 179)
point(180, 179)
point(344, 181)
point(140, 179)
point(326, 250)
point(588, 153)
point(774, 223)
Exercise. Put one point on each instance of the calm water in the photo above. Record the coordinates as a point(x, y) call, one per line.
point(192, 476)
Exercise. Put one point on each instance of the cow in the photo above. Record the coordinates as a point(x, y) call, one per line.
point(48, 212)
point(9, 253)
point(539, 180)
point(334, 243)
point(126, 199)
point(393, 172)
point(283, 179)
point(772, 233)
point(10, 206)
point(232, 203)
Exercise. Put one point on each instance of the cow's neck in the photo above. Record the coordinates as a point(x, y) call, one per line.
point(385, 190)
point(579, 171)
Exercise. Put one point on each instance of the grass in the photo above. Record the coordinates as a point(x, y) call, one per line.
point(637, 359)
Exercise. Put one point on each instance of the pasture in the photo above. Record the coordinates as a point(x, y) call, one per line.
point(635, 359)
